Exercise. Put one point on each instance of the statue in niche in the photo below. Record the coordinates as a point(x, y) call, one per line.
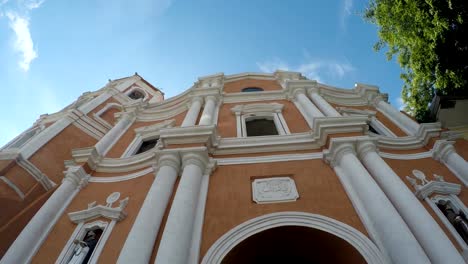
point(84, 248)
point(457, 219)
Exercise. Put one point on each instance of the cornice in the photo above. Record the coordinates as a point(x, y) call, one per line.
point(314, 139)
point(107, 211)
point(420, 139)
point(207, 135)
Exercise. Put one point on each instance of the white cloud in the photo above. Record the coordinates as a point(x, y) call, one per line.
point(345, 12)
point(33, 4)
point(312, 69)
point(23, 41)
point(400, 105)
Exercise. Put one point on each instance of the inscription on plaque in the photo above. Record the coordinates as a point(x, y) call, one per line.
point(274, 190)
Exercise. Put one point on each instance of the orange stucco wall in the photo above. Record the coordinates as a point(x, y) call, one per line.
point(49, 159)
point(229, 202)
point(237, 86)
point(136, 189)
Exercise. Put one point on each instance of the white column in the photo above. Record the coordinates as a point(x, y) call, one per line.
point(192, 114)
point(176, 240)
point(311, 110)
point(390, 229)
point(445, 153)
point(35, 232)
point(140, 241)
point(426, 230)
point(323, 105)
point(208, 111)
point(109, 139)
point(408, 125)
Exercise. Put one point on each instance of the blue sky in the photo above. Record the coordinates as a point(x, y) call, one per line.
point(53, 51)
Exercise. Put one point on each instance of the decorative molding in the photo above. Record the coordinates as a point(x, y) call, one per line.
point(77, 176)
point(427, 188)
point(106, 211)
point(206, 135)
point(229, 240)
point(274, 190)
point(420, 139)
point(145, 133)
point(268, 159)
point(35, 172)
point(122, 177)
point(13, 186)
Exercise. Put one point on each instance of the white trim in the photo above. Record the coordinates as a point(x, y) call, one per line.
point(272, 111)
point(268, 159)
point(460, 206)
point(79, 233)
point(194, 254)
point(409, 156)
point(123, 177)
point(13, 186)
point(228, 241)
point(303, 113)
point(381, 128)
point(52, 223)
point(146, 133)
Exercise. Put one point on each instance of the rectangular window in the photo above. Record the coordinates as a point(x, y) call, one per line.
point(260, 126)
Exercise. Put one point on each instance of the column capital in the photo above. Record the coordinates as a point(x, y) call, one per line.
point(198, 158)
point(213, 98)
point(379, 98)
point(292, 92)
point(168, 159)
point(441, 149)
point(337, 150)
point(77, 176)
point(365, 147)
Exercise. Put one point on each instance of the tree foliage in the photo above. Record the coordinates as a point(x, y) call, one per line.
point(430, 40)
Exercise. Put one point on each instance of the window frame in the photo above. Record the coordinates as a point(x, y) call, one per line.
point(261, 110)
point(458, 204)
point(146, 133)
point(79, 233)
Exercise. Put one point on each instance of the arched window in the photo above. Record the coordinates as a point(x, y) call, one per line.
point(135, 94)
point(252, 89)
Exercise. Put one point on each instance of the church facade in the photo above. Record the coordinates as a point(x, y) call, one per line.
point(244, 168)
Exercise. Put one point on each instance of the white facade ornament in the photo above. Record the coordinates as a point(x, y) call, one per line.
point(274, 190)
point(107, 211)
point(424, 188)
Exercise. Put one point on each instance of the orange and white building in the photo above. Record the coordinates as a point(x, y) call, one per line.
point(242, 168)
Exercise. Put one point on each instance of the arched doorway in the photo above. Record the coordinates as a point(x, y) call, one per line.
point(293, 244)
point(293, 237)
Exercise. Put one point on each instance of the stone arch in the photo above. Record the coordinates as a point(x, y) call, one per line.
point(235, 236)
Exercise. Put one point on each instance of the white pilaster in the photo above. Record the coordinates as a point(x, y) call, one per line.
point(192, 114)
point(140, 241)
point(33, 235)
point(109, 139)
point(426, 230)
point(208, 111)
point(311, 110)
point(323, 105)
point(388, 226)
point(408, 125)
point(445, 152)
point(176, 240)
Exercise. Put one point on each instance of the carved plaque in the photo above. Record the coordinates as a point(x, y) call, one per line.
point(274, 190)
